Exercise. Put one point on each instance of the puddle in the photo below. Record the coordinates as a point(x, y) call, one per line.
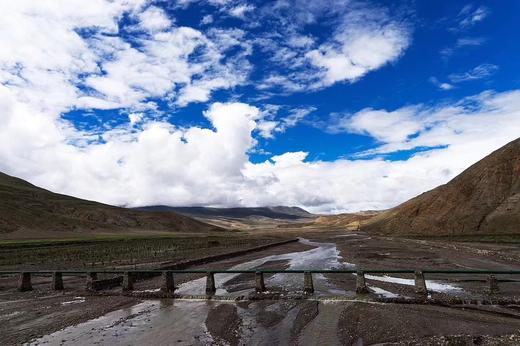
point(77, 300)
point(148, 323)
point(434, 286)
point(383, 293)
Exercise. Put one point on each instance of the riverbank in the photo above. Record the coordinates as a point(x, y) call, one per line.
point(288, 320)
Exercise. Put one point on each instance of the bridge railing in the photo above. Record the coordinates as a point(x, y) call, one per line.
point(128, 277)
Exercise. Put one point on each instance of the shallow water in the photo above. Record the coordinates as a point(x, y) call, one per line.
point(432, 285)
point(161, 321)
point(183, 322)
point(151, 322)
point(324, 255)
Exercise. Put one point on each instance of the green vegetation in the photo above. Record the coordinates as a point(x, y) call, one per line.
point(113, 251)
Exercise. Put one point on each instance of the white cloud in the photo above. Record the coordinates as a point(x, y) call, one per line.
point(268, 127)
point(364, 39)
point(358, 50)
point(135, 118)
point(441, 85)
point(470, 41)
point(484, 118)
point(463, 42)
point(470, 15)
point(241, 10)
point(384, 126)
point(47, 67)
point(48, 63)
point(478, 72)
point(158, 163)
point(154, 19)
point(207, 19)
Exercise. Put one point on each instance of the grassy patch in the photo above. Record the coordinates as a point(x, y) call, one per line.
point(114, 251)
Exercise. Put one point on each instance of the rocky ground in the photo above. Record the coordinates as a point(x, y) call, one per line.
point(333, 315)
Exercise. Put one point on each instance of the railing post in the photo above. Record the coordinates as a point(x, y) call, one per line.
point(128, 281)
point(308, 287)
point(420, 283)
point(210, 283)
point(57, 281)
point(493, 284)
point(24, 283)
point(91, 276)
point(259, 279)
point(361, 285)
point(168, 284)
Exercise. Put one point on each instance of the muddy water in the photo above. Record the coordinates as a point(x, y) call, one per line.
point(152, 322)
point(324, 255)
point(201, 322)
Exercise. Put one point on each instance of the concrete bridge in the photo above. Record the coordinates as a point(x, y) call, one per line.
point(127, 278)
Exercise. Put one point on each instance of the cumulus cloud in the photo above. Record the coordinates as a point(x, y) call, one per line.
point(358, 48)
point(49, 63)
point(49, 66)
point(364, 39)
point(159, 163)
point(154, 19)
point(485, 118)
point(384, 126)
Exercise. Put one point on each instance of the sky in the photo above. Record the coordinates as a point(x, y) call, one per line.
point(333, 106)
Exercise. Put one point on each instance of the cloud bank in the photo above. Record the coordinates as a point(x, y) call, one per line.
point(163, 164)
point(62, 56)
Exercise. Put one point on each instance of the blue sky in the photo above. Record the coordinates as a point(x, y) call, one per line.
point(333, 106)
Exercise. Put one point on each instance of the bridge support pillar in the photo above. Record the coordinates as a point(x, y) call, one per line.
point(168, 284)
point(308, 286)
point(210, 284)
point(24, 283)
point(259, 280)
point(57, 281)
point(91, 276)
point(420, 283)
point(128, 282)
point(493, 284)
point(361, 285)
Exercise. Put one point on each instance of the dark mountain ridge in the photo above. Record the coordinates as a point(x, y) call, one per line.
point(278, 212)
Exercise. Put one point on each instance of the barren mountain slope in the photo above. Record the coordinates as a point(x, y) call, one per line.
point(25, 208)
point(484, 199)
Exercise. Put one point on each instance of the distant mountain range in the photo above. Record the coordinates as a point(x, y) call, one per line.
point(27, 211)
point(484, 199)
point(278, 212)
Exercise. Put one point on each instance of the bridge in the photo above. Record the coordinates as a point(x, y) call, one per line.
point(126, 278)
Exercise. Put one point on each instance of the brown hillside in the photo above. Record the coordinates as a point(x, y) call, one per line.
point(484, 199)
point(349, 221)
point(29, 211)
